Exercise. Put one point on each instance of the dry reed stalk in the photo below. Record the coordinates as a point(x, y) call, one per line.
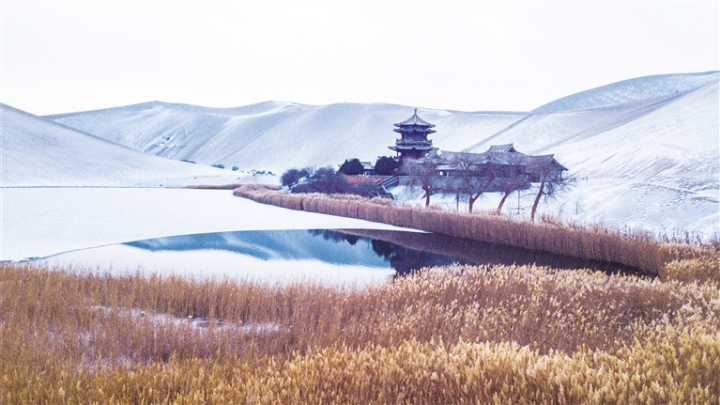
point(460, 334)
point(589, 243)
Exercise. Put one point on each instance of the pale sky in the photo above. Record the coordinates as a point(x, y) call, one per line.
point(59, 56)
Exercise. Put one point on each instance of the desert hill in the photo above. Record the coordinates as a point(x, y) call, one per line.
point(644, 152)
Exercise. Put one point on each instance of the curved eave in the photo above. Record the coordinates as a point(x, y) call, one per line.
point(406, 130)
point(414, 147)
point(415, 120)
point(403, 125)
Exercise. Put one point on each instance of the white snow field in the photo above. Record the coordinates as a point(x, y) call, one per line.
point(645, 152)
point(44, 221)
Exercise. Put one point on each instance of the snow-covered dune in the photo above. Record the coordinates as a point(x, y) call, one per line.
point(645, 141)
point(652, 164)
point(645, 151)
point(639, 89)
point(275, 135)
point(38, 152)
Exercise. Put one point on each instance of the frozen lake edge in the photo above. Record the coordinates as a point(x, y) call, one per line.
point(42, 221)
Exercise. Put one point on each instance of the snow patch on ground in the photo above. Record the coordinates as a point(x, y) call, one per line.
point(39, 222)
point(634, 206)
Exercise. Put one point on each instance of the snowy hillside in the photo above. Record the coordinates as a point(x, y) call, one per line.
point(645, 152)
point(275, 135)
point(639, 89)
point(652, 165)
point(38, 152)
point(649, 142)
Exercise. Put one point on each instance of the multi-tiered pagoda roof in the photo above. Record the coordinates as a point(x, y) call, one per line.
point(413, 142)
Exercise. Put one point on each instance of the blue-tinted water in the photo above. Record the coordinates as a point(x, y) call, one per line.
point(359, 256)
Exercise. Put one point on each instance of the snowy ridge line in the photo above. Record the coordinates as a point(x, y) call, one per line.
point(277, 104)
point(40, 152)
point(50, 121)
point(498, 134)
point(642, 110)
point(636, 89)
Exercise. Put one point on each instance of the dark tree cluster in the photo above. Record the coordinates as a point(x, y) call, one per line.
point(327, 180)
point(292, 177)
point(323, 180)
point(352, 167)
point(386, 166)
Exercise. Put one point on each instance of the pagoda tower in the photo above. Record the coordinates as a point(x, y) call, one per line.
point(413, 143)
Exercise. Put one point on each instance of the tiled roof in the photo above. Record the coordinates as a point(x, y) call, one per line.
point(415, 120)
point(502, 155)
point(502, 148)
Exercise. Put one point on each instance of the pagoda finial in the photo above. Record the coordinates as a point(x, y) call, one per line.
point(416, 111)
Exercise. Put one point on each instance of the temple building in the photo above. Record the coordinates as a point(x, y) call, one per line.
point(499, 165)
point(413, 143)
point(499, 162)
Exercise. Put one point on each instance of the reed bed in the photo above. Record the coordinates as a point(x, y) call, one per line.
point(626, 247)
point(460, 334)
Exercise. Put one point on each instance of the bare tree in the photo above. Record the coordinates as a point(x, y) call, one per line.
point(423, 174)
point(507, 185)
point(475, 177)
point(510, 176)
point(550, 179)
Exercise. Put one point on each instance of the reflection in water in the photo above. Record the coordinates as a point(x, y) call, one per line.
point(408, 251)
point(405, 260)
point(401, 259)
point(359, 254)
point(401, 251)
point(287, 245)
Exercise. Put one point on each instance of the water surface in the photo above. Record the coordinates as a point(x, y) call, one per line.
point(335, 256)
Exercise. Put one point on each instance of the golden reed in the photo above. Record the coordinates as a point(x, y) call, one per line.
point(463, 334)
point(586, 242)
